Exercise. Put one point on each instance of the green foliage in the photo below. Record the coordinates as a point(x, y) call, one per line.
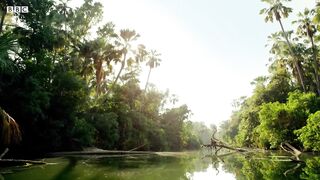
point(276, 11)
point(275, 120)
point(69, 93)
point(106, 125)
point(312, 169)
point(201, 131)
point(172, 122)
point(84, 132)
point(260, 166)
point(249, 120)
point(279, 120)
point(189, 138)
point(230, 128)
point(309, 135)
point(277, 111)
point(7, 44)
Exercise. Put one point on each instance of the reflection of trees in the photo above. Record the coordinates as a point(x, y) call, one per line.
point(243, 166)
point(150, 167)
point(277, 170)
point(260, 166)
point(217, 159)
point(312, 169)
point(66, 172)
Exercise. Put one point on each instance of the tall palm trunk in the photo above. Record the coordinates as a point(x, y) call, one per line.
point(99, 75)
point(2, 20)
point(315, 65)
point(145, 88)
point(296, 61)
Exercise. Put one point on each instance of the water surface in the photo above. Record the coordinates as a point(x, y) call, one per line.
point(188, 165)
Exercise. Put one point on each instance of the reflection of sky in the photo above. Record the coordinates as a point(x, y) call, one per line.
point(211, 173)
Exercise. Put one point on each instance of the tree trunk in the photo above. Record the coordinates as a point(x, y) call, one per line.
point(118, 75)
point(17, 162)
point(2, 20)
point(299, 70)
point(99, 75)
point(315, 65)
point(217, 145)
point(145, 88)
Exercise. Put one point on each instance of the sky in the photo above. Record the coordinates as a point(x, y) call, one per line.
point(210, 49)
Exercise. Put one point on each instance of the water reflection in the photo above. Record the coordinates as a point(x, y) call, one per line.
point(210, 172)
point(178, 166)
point(270, 166)
point(312, 169)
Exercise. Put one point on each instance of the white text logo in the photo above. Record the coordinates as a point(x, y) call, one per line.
point(17, 9)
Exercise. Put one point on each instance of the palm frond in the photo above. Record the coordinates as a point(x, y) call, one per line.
point(10, 131)
point(7, 43)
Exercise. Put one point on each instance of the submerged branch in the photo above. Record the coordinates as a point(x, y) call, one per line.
point(4, 153)
point(292, 169)
point(16, 162)
point(217, 145)
point(137, 147)
point(292, 150)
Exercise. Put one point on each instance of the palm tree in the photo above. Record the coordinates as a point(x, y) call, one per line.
point(9, 128)
point(308, 29)
point(97, 55)
point(126, 38)
point(3, 13)
point(153, 62)
point(280, 49)
point(8, 43)
point(277, 10)
point(94, 56)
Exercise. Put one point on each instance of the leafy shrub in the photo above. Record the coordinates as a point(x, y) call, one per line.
point(309, 135)
point(83, 132)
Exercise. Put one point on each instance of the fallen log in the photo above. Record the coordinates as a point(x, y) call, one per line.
point(18, 162)
point(137, 147)
point(232, 148)
point(292, 150)
point(217, 145)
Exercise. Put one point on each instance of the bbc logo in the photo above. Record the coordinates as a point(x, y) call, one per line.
point(17, 9)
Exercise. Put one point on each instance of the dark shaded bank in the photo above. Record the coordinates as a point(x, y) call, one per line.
point(99, 152)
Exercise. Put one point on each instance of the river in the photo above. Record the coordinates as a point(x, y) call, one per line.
point(187, 165)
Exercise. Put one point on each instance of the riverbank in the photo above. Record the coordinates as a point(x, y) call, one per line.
point(97, 151)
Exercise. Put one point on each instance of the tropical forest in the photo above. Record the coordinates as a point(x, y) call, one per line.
point(77, 100)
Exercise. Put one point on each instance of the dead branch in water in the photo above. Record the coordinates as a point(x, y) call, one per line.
point(18, 162)
point(137, 147)
point(4, 153)
point(217, 145)
point(292, 150)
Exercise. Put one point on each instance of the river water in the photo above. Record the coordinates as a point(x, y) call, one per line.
point(187, 165)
